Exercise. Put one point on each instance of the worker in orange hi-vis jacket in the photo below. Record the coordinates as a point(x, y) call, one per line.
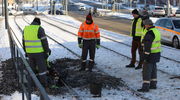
point(88, 40)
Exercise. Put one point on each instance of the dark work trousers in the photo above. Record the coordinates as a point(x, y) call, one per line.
point(88, 46)
point(149, 72)
point(136, 45)
point(38, 63)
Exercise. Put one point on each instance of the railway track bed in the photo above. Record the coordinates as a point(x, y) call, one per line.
point(129, 76)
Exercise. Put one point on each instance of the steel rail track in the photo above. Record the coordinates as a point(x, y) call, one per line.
point(174, 60)
point(116, 51)
point(126, 86)
point(75, 95)
point(101, 36)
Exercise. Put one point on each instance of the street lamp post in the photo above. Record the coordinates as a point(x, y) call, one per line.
point(37, 4)
point(168, 8)
point(66, 7)
point(6, 14)
point(2, 7)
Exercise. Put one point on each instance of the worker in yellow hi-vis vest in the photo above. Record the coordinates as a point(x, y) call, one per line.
point(136, 33)
point(151, 55)
point(36, 47)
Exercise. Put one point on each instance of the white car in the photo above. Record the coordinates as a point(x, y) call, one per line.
point(170, 30)
point(177, 13)
point(82, 8)
point(11, 11)
point(158, 11)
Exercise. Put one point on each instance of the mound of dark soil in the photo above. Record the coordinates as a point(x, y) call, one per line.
point(9, 82)
point(68, 70)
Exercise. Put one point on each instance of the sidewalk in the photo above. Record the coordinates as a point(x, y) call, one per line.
point(4, 42)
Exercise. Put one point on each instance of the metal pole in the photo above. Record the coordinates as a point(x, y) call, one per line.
point(51, 7)
point(37, 4)
point(144, 2)
point(130, 4)
point(6, 14)
point(168, 8)
point(66, 7)
point(107, 4)
point(179, 4)
point(155, 2)
point(2, 7)
point(113, 8)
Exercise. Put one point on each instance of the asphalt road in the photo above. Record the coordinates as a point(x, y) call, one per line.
point(115, 24)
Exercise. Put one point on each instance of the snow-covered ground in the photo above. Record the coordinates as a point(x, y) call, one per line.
point(107, 61)
point(113, 64)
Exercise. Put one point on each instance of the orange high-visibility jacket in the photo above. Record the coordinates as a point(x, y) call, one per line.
point(89, 31)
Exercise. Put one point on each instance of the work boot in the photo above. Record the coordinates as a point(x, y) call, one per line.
point(83, 66)
point(145, 88)
point(91, 65)
point(130, 66)
point(153, 85)
point(138, 67)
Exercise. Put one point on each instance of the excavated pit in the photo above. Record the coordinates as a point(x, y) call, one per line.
point(69, 72)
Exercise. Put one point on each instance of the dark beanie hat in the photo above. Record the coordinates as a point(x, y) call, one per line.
point(37, 20)
point(135, 11)
point(89, 17)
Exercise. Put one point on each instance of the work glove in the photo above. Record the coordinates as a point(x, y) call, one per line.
point(98, 46)
point(49, 52)
point(26, 55)
point(46, 55)
point(80, 45)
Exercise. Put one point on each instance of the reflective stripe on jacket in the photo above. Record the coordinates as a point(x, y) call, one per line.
point(32, 42)
point(156, 44)
point(139, 28)
point(88, 31)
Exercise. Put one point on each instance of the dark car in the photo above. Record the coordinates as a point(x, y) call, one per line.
point(177, 13)
point(58, 12)
point(29, 11)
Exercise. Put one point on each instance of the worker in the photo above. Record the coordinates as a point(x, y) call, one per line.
point(136, 33)
point(151, 55)
point(88, 40)
point(36, 47)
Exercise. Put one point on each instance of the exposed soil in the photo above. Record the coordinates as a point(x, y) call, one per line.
point(69, 72)
point(9, 82)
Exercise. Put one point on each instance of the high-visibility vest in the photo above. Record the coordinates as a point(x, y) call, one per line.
point(139, 28)
point(156, 44)
point(32, 42)
point(144, 31)
point(88, 31)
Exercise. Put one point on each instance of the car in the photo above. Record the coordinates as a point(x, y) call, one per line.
point(82, 8)
point(58, 12)
point(144, 11)
point(29, 11)
point(158, 11)
point(11, 11)
point(170, 30)
point(177, 14)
